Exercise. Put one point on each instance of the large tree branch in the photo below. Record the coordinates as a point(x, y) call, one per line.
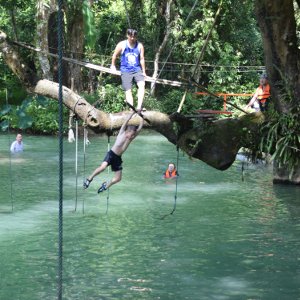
point(100, 121)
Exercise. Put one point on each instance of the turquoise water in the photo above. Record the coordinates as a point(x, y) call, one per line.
point(228, 238)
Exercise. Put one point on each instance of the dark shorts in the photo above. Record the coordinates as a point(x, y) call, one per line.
point(129, 77)
point(113, 160)
point(263, 106)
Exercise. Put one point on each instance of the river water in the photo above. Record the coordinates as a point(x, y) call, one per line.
point(227, 239)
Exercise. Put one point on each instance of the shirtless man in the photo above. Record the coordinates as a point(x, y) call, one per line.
point(113, 157)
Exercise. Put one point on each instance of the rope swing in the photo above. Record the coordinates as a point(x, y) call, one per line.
point(85, 143)
point(108, 171)
point(10, 162)
point(176, 187)
point(60, 116)
point(172, 48)
point(201, 55)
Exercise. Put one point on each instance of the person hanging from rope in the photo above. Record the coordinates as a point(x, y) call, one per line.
point(171, 171)
point(261, 97)
point(132, 66)
point(126, 135)
point(17, 145)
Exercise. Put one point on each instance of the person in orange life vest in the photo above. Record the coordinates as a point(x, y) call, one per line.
point(261, 97)
point(171, 171)
point(132, 66)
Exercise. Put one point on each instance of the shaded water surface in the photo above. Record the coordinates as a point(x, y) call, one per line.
point(228, 238)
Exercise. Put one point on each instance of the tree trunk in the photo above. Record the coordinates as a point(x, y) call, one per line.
point(167, 16)
point(53, 49)
point(13, 23)
point(44, 10)
point(282, 57)
point(74, 45)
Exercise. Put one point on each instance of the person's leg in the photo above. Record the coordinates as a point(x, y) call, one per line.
point(98, 170)
point(129, 98)
point(140, 81)
point(141, 93)
point(117, 178)
point(127, 85)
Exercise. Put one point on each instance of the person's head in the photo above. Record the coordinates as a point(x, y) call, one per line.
point(131, 131)
point(263, 79)
point(19, 138)
point(131, 35)
point(171, 167)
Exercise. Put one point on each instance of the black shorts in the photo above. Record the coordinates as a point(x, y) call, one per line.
point(263, 106)
point(113, 160)
point(128, 77)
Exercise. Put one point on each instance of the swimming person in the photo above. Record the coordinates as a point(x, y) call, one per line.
point(171, 171)
point(17, 145)
point(126, 135)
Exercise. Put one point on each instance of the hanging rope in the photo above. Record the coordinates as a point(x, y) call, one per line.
point(172, 48)
point(85, 143)
point(176, 187)
point(60, 112)
point(243, 171)
point(217, 97)
point(108, 171)
point(76, 162)
point(201, 54)
point(10, 163)
point(207, 39)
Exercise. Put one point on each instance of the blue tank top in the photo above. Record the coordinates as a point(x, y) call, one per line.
point(130, 59)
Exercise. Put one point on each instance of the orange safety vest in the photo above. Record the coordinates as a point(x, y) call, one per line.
point(168, 175)
point(263, 93)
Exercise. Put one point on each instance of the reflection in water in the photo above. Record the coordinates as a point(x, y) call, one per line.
point(227, 239)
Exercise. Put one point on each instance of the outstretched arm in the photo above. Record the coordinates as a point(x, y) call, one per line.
point(122, 129)
point(141, 125)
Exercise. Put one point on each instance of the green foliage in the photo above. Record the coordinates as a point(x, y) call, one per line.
point(281, 138)
point(89, 25)
point(112, 99)
point(170, 102)
point(36, 113)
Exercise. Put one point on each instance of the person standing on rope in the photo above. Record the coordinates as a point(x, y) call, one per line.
point(17, 145)
point(126, 135)
point(261, 97)
point(132, 66)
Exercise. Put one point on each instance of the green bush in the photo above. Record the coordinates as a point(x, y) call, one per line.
point(37, 114)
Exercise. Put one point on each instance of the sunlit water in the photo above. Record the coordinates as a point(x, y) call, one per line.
point(227, 239)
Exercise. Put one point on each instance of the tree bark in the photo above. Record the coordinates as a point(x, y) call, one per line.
point(75, 45)
point(282, 58)
point(44, 10)
point(13, 23)
point(282, 55)
point(167, 16)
